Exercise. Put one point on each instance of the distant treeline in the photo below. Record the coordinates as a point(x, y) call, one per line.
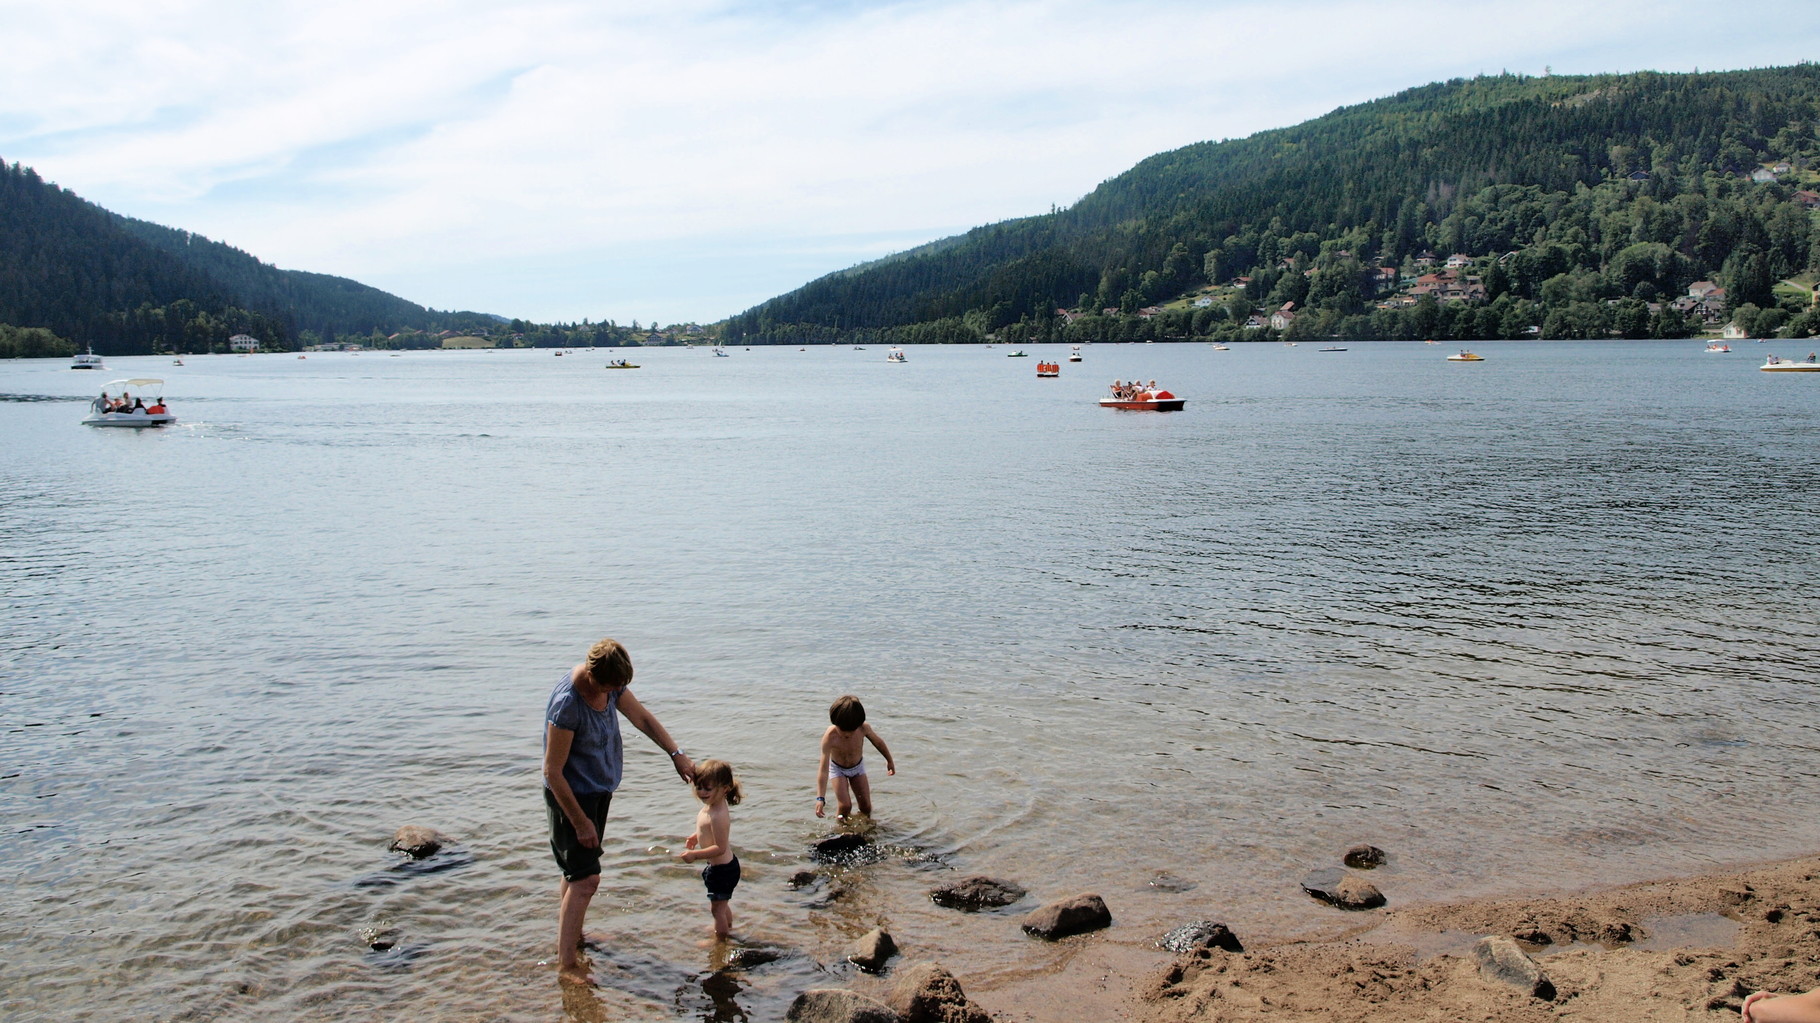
point(129, 287)
point(33, 343)
point(1586, 202)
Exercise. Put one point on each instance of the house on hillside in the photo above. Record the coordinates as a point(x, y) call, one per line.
point(1733, 332)
point(1282, 318)
point(1808, 198)
point(1763, 175)
point(243, 343)
point(1204, 302)
point(1255, 322)
point(1458, 260)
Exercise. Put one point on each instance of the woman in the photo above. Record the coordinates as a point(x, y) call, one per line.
point(582, 761)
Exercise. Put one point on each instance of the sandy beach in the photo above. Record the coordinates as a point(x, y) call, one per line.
point(1683, 949)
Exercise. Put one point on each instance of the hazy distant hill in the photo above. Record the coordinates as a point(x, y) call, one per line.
point(1587, 204)
point(128, 286)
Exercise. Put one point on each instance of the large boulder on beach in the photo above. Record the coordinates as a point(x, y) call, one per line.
point(975, 893)
point(838, 1005)
point(872, 950)
point(1342, 890)
point(927, 993)
point(1201, 934)
point(418, 842)
point(1077, 915)
point(1500, 959)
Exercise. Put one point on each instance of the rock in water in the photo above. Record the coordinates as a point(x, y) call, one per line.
point(1338, 888)
point(1501, 959)
point(872, 950)
point(1364, 857)
point(835, 1005)
point(1198, 935)
point(927, 993)
point(418, 842)
point(1078, 915)
point(976, 892)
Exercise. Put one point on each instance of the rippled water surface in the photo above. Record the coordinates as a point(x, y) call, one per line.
point(1543, 621)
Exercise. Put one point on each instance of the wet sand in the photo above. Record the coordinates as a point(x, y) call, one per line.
point(1684, 949)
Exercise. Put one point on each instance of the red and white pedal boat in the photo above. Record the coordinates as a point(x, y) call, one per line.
point(1147, 401)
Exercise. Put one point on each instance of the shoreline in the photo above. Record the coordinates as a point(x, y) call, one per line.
point(1686, 948)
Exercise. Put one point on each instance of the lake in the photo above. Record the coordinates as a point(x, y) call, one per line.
point(1536, 623)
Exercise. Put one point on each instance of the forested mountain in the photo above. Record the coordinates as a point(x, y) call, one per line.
point(130, 287)
point(1585, 206)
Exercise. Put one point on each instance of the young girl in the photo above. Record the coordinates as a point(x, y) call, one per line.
point(717, 789)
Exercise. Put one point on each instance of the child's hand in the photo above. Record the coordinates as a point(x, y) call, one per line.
point(689, 843)
point(821, 807)
point(890, 770)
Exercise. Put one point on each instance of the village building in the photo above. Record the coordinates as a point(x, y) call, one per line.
point(243, 343)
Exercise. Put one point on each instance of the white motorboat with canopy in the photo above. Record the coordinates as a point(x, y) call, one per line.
point(123, 403)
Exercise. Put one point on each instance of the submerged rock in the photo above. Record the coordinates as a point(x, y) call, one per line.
point(1338, 888)
point(836, 1005)
point(976, 892)
point(1198, 935)
point(1077, 915)
point(927, 993)
point(1364, 857)
point(872, 950)
point(418, 842)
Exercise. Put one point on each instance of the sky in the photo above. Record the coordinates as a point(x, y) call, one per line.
point(684, 160)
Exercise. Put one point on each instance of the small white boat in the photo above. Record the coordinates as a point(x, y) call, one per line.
point(1465, 356)
point(1074, 354)
point(721, 353)
point(1719, 348)
point(127, 408)
point(1333, 348)
point(1221, 348)
point(1775, 365)
point(87, 360)
point(895, 355)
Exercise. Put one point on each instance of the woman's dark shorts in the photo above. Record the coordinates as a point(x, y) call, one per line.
point(720, 879)
point(575, 861)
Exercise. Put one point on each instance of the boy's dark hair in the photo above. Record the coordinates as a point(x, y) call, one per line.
point(847, 713)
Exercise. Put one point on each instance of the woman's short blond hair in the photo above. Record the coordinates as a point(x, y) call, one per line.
point(609, 665)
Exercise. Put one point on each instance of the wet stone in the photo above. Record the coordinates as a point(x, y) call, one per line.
point(1171, 884)
point(1342, 890)
point(1077, 915)
point(872, 950)
point(836, 1005)
point(975, 893)
point(1198, 935)
point(418, 842)
point(1364, 857)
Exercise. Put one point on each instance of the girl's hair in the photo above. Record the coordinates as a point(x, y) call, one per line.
point(718, 774)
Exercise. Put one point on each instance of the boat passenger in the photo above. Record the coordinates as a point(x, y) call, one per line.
point(138, 404)
point(157, 407)
point(100, 404)
point(1810, 356)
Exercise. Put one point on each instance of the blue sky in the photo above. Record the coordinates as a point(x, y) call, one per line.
point(571, 159)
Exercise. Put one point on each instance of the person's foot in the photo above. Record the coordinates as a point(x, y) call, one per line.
point(576, 974)
point(594, 940)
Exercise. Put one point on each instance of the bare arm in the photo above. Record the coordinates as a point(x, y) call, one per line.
point(556, 745)
point(1762, 1007)
point(647, 722)
point(821, 773)
point(890, 765)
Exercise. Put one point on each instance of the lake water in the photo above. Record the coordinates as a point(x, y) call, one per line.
point(1540, 622)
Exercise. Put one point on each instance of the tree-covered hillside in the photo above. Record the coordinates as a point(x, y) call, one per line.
point(1571, 206)
point(130, 287)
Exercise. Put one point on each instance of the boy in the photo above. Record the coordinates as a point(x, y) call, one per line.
point(843, 758)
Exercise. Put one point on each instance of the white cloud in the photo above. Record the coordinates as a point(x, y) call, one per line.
point(431, 143)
